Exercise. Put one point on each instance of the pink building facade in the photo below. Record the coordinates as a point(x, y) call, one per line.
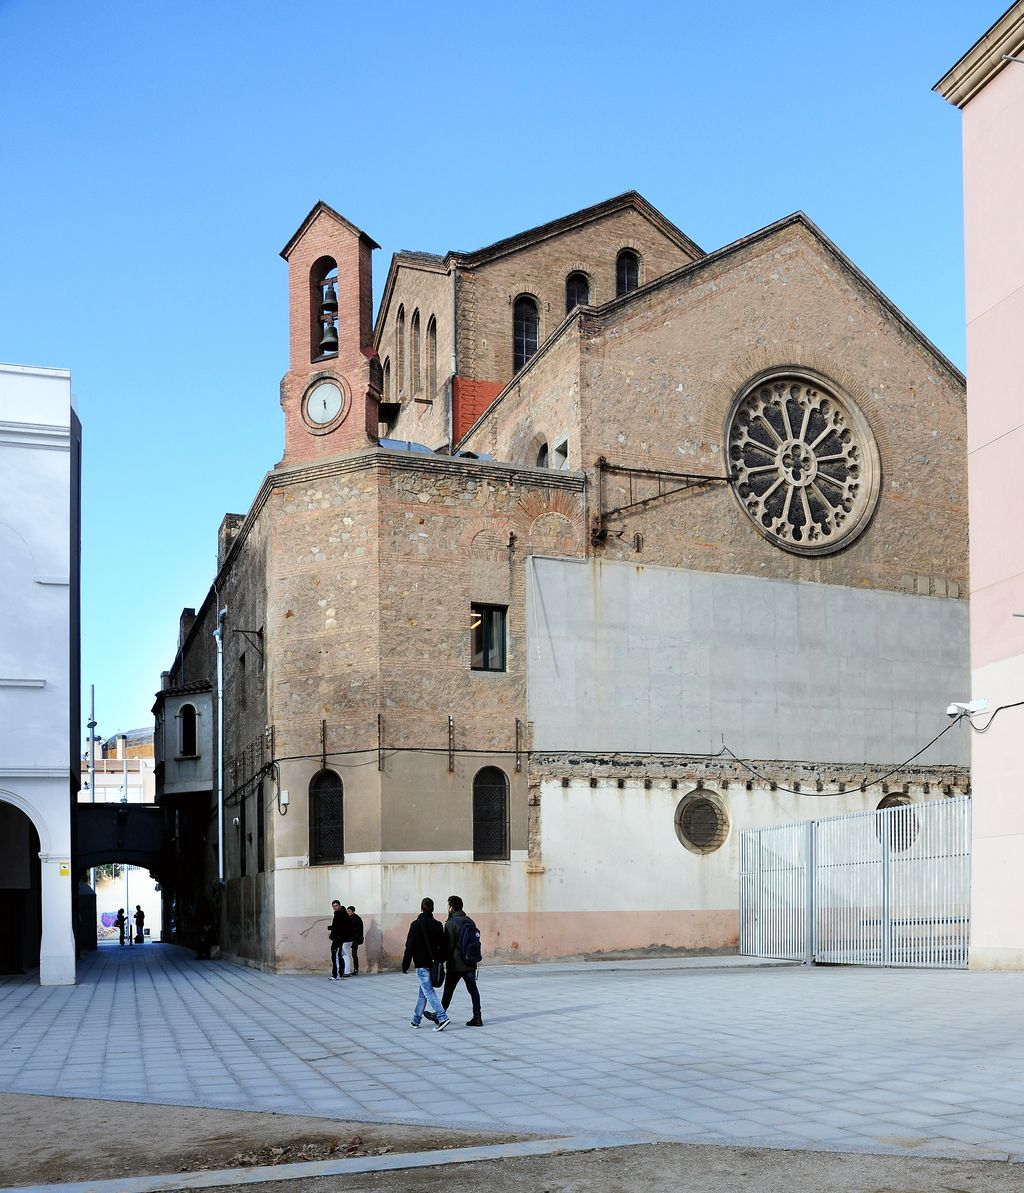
point(987, 84)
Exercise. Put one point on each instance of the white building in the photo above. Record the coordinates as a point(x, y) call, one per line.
point(40, 470)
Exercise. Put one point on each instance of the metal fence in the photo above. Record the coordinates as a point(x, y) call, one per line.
point(890, 887)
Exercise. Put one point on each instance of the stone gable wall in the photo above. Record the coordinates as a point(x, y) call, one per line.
point(660, 373)
point(486, 292)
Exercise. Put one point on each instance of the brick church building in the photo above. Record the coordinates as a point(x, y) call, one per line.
point(591, 550)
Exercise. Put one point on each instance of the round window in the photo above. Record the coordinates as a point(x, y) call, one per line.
point(701, 823)
point(804, 463)
point(899, 827)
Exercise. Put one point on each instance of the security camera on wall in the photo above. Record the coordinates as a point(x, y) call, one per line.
point(966, 708)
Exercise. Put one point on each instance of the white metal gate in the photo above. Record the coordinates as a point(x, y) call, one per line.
point(890, 887)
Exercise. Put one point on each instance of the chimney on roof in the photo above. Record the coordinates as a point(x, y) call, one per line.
point(229, 528)
point(185, 624)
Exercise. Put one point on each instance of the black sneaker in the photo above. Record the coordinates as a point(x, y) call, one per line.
point(430, 1015)
point(441, 1024)
point(476, 1021)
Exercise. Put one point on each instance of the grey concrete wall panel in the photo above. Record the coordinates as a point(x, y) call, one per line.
point(625, 657)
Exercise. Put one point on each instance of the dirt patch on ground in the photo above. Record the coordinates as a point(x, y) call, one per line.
point(55, 1140)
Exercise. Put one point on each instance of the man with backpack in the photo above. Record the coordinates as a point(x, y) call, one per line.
point(463, 957)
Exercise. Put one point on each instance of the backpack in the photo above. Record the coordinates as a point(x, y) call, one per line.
point(468, 942)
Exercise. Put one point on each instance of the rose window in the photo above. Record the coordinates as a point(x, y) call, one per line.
point(804, 464)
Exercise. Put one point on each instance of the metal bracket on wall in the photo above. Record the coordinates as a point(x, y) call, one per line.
point(451, 745)
point(254, 638)
point(676, 482)
point(519, 745)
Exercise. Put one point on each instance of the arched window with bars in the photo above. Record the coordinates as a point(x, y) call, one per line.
point(627, 272)
point(326, 818)
point(577, 291)
point(490, 815)
point(387, 380)
point(525, 330)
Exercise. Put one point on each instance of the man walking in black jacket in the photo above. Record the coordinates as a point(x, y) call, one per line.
point(341, 936)
point(357, 937)
point(424, 946)
point(458, 968)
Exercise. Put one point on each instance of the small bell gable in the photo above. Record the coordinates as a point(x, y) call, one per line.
point(330, 393)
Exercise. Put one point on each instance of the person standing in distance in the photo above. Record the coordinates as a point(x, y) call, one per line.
point(459, 969)
point(357, 938)
point(424, 946)
point(140, 920)
point(121, 921)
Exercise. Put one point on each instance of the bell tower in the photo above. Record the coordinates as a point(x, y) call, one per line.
point(332, 388)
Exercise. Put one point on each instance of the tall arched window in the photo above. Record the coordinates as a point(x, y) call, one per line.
point(432, 358)
point(187, 738)
point(627, 272)
point(577, 291)
point(326, 818)
point(490, 815)
point(400, 351)
point(414, 352)
point(543, 456)
point(323, 308)
point(387, 380)
point(525, 331)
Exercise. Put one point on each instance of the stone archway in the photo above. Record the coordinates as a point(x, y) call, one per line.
point(21, 912)
point(45, 852)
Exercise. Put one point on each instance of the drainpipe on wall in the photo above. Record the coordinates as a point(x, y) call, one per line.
point(92, 761)
point(218, 637)
point(454, 364)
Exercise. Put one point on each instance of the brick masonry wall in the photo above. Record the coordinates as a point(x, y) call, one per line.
point(486, 293)
point(659, 377)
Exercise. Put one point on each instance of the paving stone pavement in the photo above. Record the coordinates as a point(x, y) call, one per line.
point(714, 1050)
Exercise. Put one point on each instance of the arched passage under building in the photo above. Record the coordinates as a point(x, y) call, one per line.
point(131, 836)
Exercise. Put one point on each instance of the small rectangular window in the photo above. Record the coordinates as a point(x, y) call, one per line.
point(487, 637)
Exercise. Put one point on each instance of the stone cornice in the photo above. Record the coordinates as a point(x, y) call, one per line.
point(714, 772)
point(985, 59)
point(566, 223)
point(37, 435)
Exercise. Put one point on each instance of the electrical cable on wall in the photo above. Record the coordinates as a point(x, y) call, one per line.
point(374, 752)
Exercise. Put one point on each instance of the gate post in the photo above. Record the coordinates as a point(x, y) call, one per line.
point(883, 836)
point(809, 892)
point(758, 929)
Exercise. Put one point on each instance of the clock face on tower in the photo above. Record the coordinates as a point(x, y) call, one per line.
point(323, 404)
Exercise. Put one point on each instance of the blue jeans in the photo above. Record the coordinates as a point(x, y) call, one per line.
point(427, 995)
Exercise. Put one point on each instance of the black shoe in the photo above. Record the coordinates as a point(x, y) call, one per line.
point(430, 1015)
point(476, 1021)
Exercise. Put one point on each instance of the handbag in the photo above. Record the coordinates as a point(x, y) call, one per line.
point(436, 965)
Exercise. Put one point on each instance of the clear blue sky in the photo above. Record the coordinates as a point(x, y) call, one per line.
point(158, 155)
